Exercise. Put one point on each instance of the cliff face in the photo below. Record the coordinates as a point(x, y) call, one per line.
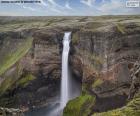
point(106, 55)
point(30, 67)
point(103, 53)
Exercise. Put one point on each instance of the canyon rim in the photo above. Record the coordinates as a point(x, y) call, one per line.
point(104, 62)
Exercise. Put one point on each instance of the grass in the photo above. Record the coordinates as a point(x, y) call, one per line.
point(121, 28)
point(10, 23)
point(25, 80)
point(6, 84)
point(131, 109)
point(11, 58)
point(80, 106)
point(97, 83)
point(93, 26)
point(26, 23)
point(9, 80)
point(75, 38)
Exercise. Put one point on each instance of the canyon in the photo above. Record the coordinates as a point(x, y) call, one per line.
point(104, 57)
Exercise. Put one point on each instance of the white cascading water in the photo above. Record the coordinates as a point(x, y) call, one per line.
point(65, 73)
point(69, 87)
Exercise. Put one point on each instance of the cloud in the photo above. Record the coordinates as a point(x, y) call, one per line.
point(109, 6)
point(115, 7)
point(52, 2)
point(50, 5)
point(29, 8)
point(26, 7)
point(43, 3)
point(88, 2)
point(67, 5)
point(55, 7)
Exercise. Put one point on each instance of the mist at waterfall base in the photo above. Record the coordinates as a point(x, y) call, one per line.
point(70, 87)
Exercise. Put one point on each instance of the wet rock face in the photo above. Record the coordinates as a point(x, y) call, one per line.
point(105, 57)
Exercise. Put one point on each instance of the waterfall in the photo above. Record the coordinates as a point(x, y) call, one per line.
point(70, 88)
point(65, 73)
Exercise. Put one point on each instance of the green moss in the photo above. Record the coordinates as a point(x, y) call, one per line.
point(84, 88)
point(12, 57)
point(131, 109)
point(6, 84)
point(75, 38)
point(97, 83)
point(9, 80)
point(8, 60)
point(121, 28)
point(80, 106)
point(25, 80)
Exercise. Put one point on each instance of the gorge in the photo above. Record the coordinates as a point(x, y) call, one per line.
point(103, 57)
point(66, 85)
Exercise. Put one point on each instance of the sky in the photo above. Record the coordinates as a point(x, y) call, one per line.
point(67, 8)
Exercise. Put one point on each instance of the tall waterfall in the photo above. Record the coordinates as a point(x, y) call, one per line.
point(65, 73)
point(70, 88)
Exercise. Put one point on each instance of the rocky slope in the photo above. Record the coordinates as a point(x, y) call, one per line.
point(107, 53)
point(10, 112)
point(103, 53)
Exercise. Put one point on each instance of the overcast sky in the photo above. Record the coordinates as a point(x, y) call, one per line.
point(68, 8)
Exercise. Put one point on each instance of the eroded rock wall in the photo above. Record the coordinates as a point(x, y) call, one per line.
point(103, 53)
point(106, 56)
point(29, 79)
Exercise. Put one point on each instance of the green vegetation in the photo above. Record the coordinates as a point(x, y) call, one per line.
point(121, 28)
point(24, 24)
point(12, 57)
point(97, 83)
point(29, 23)
point(92, 27)
point(80, 106)
point(14, 23)
point(85, 87)
point(25, 80)
point(9, 80)
point(75, 38)
point(95, 25)
point(6, 84)
point(131, 109)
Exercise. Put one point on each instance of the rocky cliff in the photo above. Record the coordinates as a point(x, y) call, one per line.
point(107, 53)
point(104, 56)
